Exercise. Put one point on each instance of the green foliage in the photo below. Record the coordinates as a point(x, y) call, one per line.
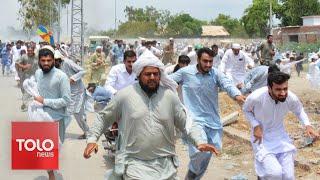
point(226, 21)
point(110, 33)
point(300, 47)
point(184, 25)
point(141, 28)
point(35, 12)
point(148, 16)
point(143, 15)
point(291, 11)
point(256, 17)
point(232, 25)
point(152, 22)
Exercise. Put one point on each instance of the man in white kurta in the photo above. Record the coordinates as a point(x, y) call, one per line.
point(287, 65)
point(235, 63)
point(266, 109)
point(314, 72)
point(217, 56)
point(121, 75)
point(16, 54)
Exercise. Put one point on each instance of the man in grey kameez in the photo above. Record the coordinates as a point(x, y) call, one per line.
point(78, 91)
point(54, 90)
point(148, 114)
point(256, 78)
point(26, 66)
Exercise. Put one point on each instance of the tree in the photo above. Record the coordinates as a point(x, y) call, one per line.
point(150, 16)
point(232, 25)
point(141, 28)
point(184, 25)
point(109, 32)
point(35, 12)
point(225, 21)
point(291, 11)
point(256, 17)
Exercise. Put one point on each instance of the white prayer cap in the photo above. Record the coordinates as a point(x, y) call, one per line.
point(98, 47)
point(171, 39)
point(149, 59)
point(142, 39)
point(236, 46)
point(58, 55)
point(189, 46)
point(49, 48)
point(315, 56)
point(285, 60)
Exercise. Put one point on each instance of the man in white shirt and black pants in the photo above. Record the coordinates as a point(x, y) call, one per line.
point(265, 109)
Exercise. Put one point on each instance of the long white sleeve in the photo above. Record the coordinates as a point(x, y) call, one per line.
point(297, 108)
point(111, 81)
point(224, 60)
point(249, 60)
point(248, 108)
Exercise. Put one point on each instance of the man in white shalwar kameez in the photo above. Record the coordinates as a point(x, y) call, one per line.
point(286, 64)
point(16, 54)
point(314, 72)
point(266, 109)
point(75, 74)
point(217, 56)
point(235, 63)
point(150, 111)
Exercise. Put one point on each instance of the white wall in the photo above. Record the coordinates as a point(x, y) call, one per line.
point(311, 21)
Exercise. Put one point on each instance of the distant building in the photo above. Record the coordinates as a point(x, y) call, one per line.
point(309, 32)
point(214, 31)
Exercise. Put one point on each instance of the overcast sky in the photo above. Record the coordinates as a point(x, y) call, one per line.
point(99, 14)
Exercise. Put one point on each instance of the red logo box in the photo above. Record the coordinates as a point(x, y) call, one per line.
point(34, 145)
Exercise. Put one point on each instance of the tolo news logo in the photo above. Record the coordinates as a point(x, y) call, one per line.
point(34, 145)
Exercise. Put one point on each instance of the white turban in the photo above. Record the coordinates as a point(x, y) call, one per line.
point(98, 47)
point(142, 39)
point(50, 48)
point(149, 59)
point(315, 56)
point(236, 46)
point(58, 55)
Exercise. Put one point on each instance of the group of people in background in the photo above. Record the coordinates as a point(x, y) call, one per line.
point(149, 92)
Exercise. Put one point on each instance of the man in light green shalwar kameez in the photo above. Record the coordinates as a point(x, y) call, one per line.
point(97, 65)
point(148, 114)
point(54, 89)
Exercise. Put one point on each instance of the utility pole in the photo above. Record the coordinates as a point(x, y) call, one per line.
point(270, 14)
point(77, 29)
point(59, 22)
point(68, 21)
point(115, 18)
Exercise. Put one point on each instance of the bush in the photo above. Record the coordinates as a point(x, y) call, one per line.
point(300, 47)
